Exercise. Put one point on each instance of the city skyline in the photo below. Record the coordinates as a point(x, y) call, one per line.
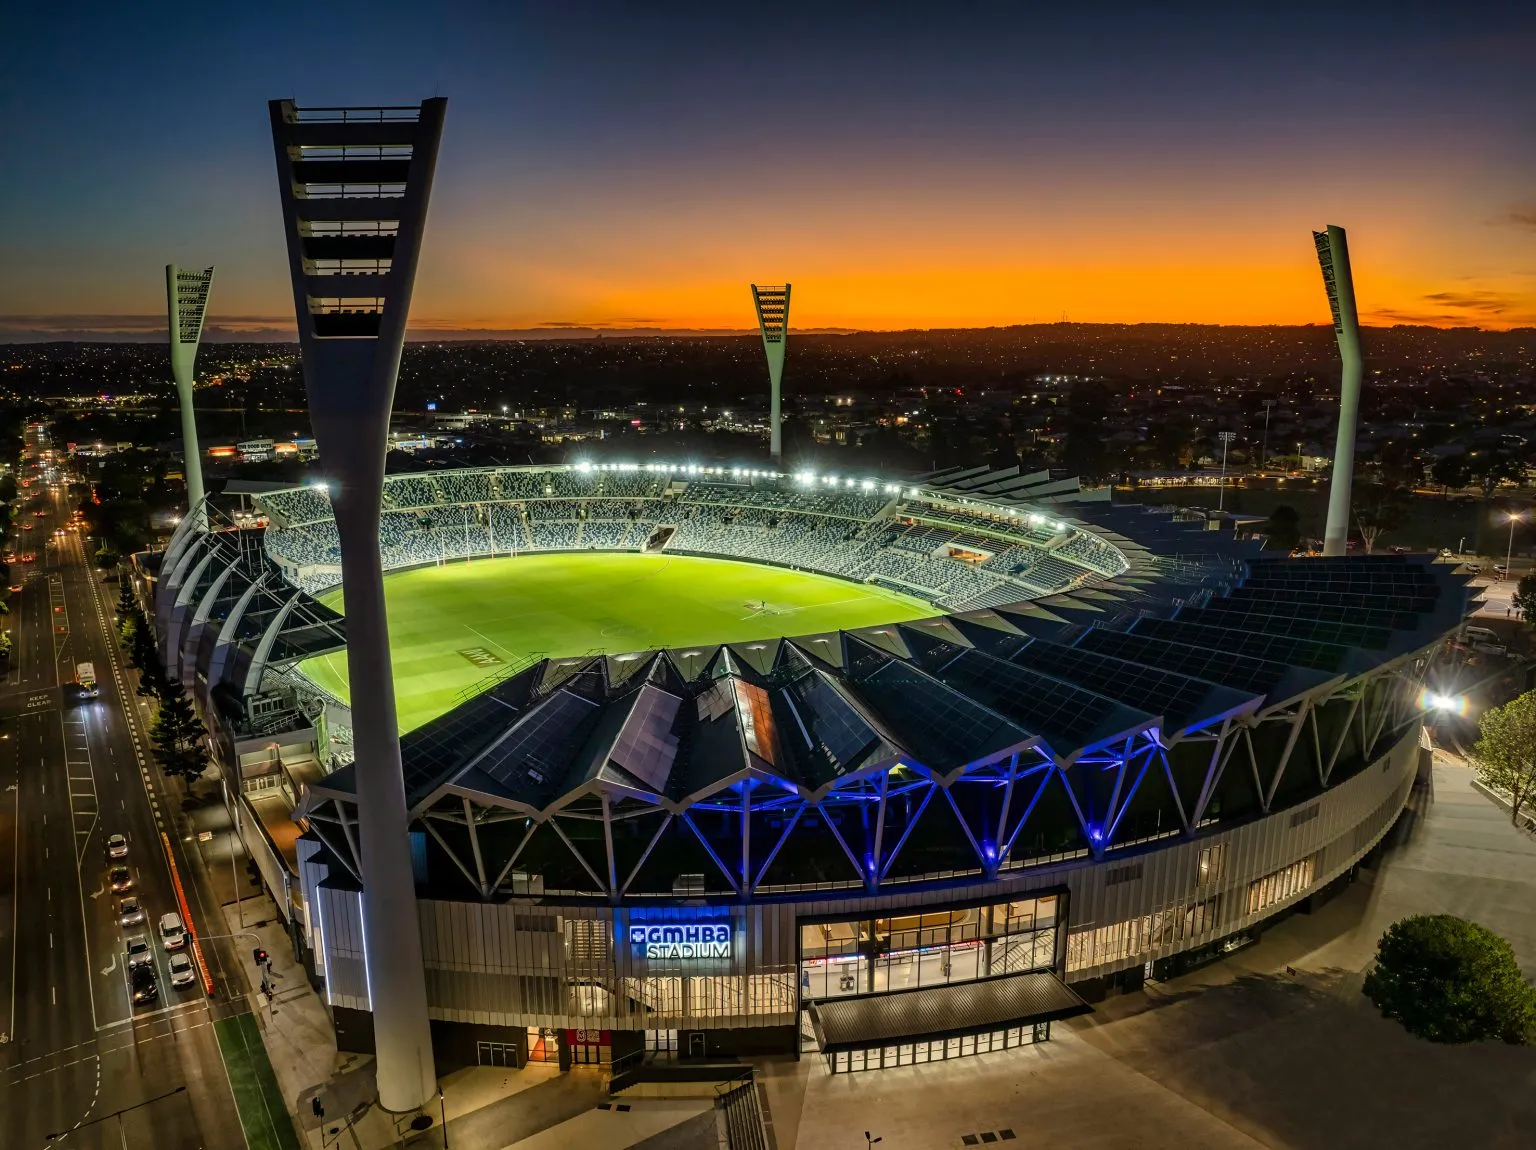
point(623, 173)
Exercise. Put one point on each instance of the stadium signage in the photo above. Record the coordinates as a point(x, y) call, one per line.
point(682, 940)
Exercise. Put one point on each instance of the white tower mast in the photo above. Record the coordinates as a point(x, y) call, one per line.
point(1333, 256)
point(186, 294)
point(772, 304)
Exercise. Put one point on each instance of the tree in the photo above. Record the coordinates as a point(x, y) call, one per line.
point(1524, 598)
point(1504, 755)
point(1378, 509)
point(1452, 471)
point(1283, 530)
point(1450, 980)
point(1496, 469)
point(126, 604)
point(177, 736)
point(144, 656)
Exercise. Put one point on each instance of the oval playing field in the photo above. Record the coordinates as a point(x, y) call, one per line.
point(451, 626)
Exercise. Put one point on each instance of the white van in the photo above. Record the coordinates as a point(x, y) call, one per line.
point(1483, 640)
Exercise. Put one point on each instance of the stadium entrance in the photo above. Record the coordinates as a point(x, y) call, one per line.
point(932, 985)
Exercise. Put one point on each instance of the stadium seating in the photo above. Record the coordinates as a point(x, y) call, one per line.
point(952, 557)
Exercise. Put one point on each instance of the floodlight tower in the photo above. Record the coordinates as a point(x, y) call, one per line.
point(1333, 256)
point(186, 296)
point(772, 304)
point(355, 184)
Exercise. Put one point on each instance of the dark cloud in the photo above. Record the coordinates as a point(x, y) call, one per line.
point(1481, 302)
point(1523, 216)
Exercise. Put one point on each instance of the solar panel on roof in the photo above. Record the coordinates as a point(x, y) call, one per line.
point(1296, 652)
point(537, 748)
point(831, 721)
point(646, 746)
point(943, 727)
point(1225, 667)
point(1063, 714)
point(1152, 689)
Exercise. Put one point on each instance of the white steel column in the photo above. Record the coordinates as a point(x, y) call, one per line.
point(186, 295)
point(772, 306)
point(355, 185)
point(1333, 256)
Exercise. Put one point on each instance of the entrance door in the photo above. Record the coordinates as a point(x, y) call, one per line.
point(696, 1045)
point(496, 1054)
point(543, 1044)
point(589, 1047)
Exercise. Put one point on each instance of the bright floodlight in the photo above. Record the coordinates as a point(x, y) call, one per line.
point(1443, 704)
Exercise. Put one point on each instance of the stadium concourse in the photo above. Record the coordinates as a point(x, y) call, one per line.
point(1085, 745)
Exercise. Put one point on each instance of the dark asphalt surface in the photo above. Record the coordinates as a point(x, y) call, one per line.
point(72, 771)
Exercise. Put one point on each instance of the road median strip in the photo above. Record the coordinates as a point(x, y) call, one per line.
point(258, 1097)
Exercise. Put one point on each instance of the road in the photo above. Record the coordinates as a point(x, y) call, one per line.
point(75, 1051)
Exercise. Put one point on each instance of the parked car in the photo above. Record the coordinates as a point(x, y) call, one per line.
point(129, 912)
point(117, 846)
point(183, 973)
point(172, 933)
point(144, 984)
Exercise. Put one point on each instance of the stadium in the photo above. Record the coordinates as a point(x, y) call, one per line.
point(725, 761)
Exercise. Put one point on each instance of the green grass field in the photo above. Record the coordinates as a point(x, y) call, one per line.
point(452, 626)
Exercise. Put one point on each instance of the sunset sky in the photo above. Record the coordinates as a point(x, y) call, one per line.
point(634, 165)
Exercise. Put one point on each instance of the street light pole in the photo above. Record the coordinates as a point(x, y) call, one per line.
point(1264, 451)
point(234, 875)
point(1226, 438)
point(1509, 555)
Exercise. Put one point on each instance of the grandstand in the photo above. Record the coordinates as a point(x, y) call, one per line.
point(913, 539)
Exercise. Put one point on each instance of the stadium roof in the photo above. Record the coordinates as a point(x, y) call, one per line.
point(933, 697)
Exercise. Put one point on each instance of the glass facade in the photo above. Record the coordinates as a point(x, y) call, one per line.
point(937, 1049)
point(1281, 885)
point(877, 955)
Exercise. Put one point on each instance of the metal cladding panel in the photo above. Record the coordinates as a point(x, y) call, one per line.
point(1350, 819)
point(346, 973)
point(312, 872)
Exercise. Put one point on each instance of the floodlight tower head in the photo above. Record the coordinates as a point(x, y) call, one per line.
point(1333, 258)
point(355, 184)
point(772, 304)
point(186, 294)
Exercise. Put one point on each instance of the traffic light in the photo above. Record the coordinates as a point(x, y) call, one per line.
point(259, 955)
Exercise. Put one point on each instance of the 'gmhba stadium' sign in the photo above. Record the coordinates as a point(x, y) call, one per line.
point(682, 940)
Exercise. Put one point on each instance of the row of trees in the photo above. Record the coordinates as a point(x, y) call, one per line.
point(177, 733)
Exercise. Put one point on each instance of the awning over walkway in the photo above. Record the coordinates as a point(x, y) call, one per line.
point(943, 1011)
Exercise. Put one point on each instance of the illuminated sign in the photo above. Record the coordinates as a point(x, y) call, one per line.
point(682, 940)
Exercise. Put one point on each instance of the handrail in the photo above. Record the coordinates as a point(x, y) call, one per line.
point(735, 1082)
